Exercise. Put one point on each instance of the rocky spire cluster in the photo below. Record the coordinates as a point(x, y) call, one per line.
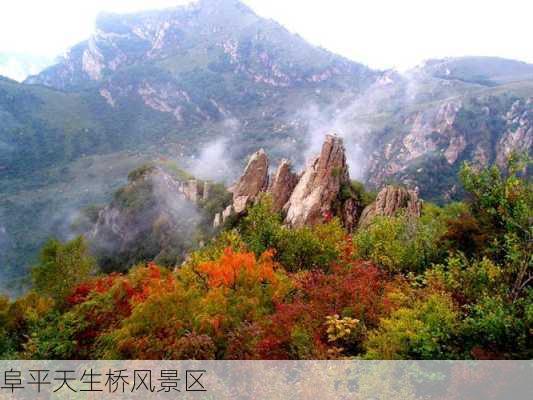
point(316, 194)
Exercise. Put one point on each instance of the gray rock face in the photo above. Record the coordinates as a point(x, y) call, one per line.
point(252, 182)
point(191, 190)
point(282, 185)
point(518, 136)
point(313, 197)
point(194, 190)
point(389, 201)
point(430, 144)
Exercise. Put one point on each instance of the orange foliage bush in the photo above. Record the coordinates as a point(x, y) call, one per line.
point(233, 266)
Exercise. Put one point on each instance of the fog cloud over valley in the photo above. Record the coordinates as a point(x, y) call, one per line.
point(215, 160)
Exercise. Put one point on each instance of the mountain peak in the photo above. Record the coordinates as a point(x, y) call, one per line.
point(212, 35)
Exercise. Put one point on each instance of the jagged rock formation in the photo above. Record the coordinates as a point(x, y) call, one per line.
point(282, 184)
point(306, 199)
point(247, 189)
point(252, 182)
point(389, 202)
point(318, 188)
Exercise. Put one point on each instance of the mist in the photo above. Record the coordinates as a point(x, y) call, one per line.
point(215, 161)
point(161, 227)
point(357, 120)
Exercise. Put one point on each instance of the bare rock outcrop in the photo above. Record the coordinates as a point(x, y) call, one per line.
point(322, 191)
point(191, 189)
point(350, 212)
point(252, 182)
point(250, 185)
point(518, 136)
point(389, 201)
point(313, 197)
point(282, 185)
point(195, 190)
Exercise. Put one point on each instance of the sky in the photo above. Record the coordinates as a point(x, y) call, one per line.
point(382, 34)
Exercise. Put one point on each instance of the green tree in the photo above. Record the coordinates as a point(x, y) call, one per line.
point(402, 243)
point(503, 205)
point(295, 248)
point(61, 267)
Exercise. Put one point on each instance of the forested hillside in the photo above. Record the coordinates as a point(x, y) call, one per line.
point(407, 283)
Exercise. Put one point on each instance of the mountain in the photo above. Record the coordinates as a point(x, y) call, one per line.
point(163, 214)
point(488, 71)
point(181, 76)
point(207, 84)
point(163, 84)
point(218, 35)
point(433, 122)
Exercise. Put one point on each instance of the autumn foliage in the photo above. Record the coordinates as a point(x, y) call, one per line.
point(456, 283)
point(233, 267)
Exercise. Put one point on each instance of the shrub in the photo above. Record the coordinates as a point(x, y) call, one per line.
point(495, 329)
point(296, 249)
point(422, 329)
point(195, 312)
point(467, 280)
point(353, 292)
point(503, 207)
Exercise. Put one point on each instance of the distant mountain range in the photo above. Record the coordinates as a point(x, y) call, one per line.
point(209, 83)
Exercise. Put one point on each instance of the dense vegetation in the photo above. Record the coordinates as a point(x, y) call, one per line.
point(455, 283)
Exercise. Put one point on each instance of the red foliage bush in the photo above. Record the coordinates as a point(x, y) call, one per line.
point(356, 291)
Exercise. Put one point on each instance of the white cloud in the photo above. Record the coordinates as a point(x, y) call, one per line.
point(19, 66)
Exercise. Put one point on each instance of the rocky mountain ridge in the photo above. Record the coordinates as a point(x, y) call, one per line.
point(227, 31)
point(429, 145)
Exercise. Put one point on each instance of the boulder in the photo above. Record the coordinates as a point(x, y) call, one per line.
point(389, 201)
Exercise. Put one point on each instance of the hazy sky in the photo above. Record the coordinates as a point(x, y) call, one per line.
point(380, 33)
